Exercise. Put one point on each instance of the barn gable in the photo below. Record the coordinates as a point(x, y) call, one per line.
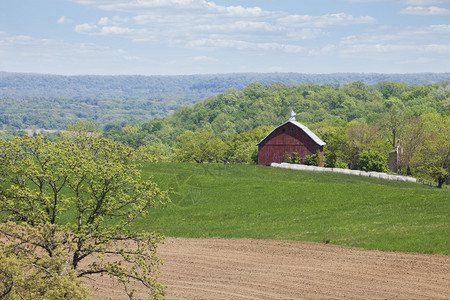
point(288, 138)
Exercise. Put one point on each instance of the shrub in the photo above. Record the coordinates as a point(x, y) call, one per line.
point(371, 160)
point(312, 160)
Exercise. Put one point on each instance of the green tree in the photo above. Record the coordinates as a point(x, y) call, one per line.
point(242, 147)
point(88, 189)
point(370, 160)
point(336, 150)
point(394, 121)
point(433, 159)
point(199, 146)
point(28, 273)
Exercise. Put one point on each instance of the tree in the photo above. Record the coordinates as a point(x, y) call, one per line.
point(242, 147)
point(433, 159)
point(434, 162)
point(412, 141)
point(394, 121)
point(199, 146)
point(370, 160)
point(27, 273)
point(83, 191)
point(336, 152)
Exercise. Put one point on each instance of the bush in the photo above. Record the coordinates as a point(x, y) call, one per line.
point(312, 160)
point(371, 160)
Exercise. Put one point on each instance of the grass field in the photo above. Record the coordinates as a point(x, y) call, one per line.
point(257, 202)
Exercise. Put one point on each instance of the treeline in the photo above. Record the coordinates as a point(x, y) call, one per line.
point(359, 123)
point(189, 86)
point(317, 106)
point(54, 101)
point(57, 113)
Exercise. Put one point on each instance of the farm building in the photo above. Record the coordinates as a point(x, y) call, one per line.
point(286, 139)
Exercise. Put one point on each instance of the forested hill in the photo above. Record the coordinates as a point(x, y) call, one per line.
point(258, 105)
point(185, 86)
point(53, 101)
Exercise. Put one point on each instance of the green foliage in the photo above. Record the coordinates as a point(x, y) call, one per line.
point(199, 146)
point(293, 158)
point(350, 118)
point(52, 102)
point(26, 272)
point(260, 105)
point(312, 160)
point(96, 180)
point(259, 202)
point(309, 160)
point(370, 160)
point(83, 126)
point(336, 150)
point(242, 147)
point(433, 158)
point(394, 121)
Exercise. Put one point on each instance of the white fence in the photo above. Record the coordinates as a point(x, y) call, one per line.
point(344, 171)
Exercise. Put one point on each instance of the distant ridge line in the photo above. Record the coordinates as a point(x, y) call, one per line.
point(184, 86)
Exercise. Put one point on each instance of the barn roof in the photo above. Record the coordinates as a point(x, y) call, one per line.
point(292, 120)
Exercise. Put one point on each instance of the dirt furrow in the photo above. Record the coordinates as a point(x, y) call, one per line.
point(255, 269)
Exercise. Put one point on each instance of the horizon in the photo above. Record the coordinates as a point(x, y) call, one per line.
point(222, 74)
point(202, 37)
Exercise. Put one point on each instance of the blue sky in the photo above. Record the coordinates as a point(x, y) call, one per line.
point(173, 37)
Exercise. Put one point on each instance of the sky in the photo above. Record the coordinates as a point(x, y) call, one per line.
point(180, 37)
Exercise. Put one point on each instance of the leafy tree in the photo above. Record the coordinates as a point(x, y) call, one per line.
point(414, 137)
point(336, 151)
point(242, 147)
point(434, 162)
point(199, 146)
point(433, 159)
point(28, 273)
point(88, 190)
point(394, 121)
point(370, 160)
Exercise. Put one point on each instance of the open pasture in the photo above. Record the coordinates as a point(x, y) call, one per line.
point(257, 202)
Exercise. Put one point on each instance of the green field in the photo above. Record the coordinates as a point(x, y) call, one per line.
point(257, 202)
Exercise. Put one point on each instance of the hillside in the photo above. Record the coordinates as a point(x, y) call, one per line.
point(237, 111)
point(52, 101)
point(258, 202)
point(185, 86)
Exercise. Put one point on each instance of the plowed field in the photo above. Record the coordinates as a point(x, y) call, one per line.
point(256, 269)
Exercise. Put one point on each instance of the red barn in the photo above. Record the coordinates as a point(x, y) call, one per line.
point(288, 138)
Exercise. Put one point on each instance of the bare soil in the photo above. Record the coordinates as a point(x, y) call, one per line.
point(256, 269)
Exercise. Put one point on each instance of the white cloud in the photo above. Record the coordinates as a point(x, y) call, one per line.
point(86, 28)
point(241, 26)
point(424, 2)
point(239, 11)
point(116, 20)
point(105, 22)
point(328, 20)
point(64, 20)
point(425, 11)
point(123, 31)
point(410, 36)
point(243, 45)
point(205, 24)
point(408, 2)
point(400, 46)
point(405, 50)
